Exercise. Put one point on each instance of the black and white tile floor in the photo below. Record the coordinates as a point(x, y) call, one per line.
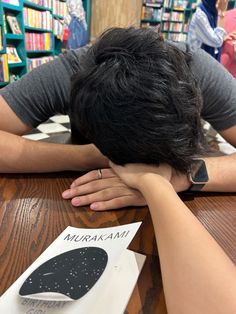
point(60, 124)
point(55, 125)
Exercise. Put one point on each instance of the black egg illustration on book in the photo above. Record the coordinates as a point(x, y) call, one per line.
point(66, 277)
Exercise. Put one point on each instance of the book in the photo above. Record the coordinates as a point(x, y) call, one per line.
point(1, 70)
point(13, 24)
point(12, 55)
point(82, 271)
point(4, 73)
point(1, 39)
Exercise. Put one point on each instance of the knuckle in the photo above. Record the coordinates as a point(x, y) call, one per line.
point(87, 199)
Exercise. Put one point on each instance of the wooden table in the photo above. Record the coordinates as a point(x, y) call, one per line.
point(33, 214)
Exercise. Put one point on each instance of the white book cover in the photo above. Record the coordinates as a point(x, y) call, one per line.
point(83, 271)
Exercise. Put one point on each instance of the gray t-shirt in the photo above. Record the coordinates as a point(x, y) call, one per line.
point(45, 91)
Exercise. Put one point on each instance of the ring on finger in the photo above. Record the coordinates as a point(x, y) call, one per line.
point(99, 174)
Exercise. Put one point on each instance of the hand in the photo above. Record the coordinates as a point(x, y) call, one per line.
point(109, 192)
point(132, 174)
point(222, 6)
point(230, 36)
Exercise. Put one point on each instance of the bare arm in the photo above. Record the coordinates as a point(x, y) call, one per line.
point(221, 8)
point(110, 192)
point(104, 194)
point(222, 175)
point(21, 155)
point(192, 283)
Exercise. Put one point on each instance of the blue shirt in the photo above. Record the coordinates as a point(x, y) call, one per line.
point(200, 32)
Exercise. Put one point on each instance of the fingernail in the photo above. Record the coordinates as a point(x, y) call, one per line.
point(66, 194)
point(75, 201)
point(94, 206)
point(72, 185)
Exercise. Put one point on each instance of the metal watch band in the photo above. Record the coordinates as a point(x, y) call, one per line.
point(196, 187)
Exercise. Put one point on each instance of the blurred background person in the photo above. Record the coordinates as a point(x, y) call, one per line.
point(206, 29)
point(228, 56)
point(76, 30)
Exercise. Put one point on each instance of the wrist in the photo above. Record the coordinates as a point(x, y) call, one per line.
point(221, 14)
point(148, 180)
point(88, 157)
point(180, 182)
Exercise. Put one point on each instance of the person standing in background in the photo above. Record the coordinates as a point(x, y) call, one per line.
point(228, 56)
point(206, 29)
point(77, 25)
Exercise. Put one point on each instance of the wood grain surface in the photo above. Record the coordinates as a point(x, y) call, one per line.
point(33, 214)
point(111, 13)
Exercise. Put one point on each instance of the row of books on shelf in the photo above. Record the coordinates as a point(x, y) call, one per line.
point(173, 4)
point(59, 8)
point(35, 62)
point(32, 63)
point(160, 14)
point(174, 27)
point(15, 28)
point(38, 2)
point(42, 3)
point(179, 4)
point(151, 14)
point(37, 19)
point(58, 26)
point(38, 41)
point(166, 27)
point(50, 4)
point(176, 16)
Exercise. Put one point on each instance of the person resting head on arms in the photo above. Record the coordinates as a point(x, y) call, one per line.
point(137, 101)
point(140, 99)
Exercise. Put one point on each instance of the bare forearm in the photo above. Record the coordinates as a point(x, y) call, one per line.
point(221, 20)
point(197, 275)
point(21, 155)
point(222, 173)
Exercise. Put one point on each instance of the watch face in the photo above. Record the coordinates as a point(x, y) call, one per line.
point(198, 172)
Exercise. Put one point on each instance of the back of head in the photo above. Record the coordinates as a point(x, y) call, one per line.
point(137, 101)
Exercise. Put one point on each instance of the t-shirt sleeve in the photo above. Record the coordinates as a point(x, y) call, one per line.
point(218, 88)
point(45, 91)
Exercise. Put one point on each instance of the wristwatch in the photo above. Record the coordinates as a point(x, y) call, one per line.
point(197, 174)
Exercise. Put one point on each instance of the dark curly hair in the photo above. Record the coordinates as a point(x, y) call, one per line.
point(137, 100)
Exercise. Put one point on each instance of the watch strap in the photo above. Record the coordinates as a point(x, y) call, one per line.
point(196, 187)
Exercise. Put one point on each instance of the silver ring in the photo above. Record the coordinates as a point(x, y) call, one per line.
point(99, 174)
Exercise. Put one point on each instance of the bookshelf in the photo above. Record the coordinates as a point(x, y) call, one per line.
point(171, 17)
point(16, 41)
point(38, 27)
point(39, 39)
point(168, 17)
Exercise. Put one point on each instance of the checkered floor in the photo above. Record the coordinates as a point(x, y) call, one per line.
point(61, 124)
point(55, 125)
